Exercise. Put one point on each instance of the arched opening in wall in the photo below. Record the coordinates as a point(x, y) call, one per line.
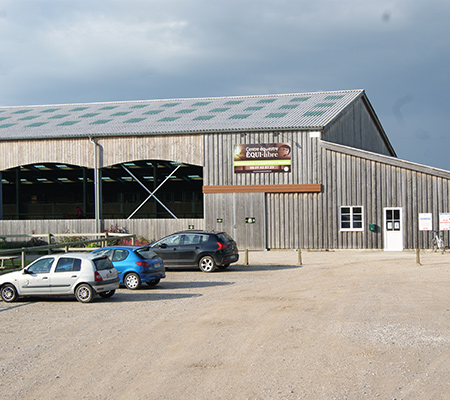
point(139, 189)
point(152, 189)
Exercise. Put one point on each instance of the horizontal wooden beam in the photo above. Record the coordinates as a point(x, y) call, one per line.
point(307, 188)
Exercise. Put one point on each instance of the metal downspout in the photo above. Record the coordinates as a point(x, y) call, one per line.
point(96, 188)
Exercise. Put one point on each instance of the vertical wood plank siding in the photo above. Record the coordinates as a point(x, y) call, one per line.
point(357, 128)
point(375, 185)
point(115, 150)
point(150, 229)
point(311, 220)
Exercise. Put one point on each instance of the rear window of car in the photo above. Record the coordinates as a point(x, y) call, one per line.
point(224, 237)
point(146, 253)
point(103, 263)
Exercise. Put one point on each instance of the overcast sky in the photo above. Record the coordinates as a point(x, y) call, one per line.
point(64, 51)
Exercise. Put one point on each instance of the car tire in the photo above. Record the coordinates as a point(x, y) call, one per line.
point(153, 282)
point(132, 281)
point(207, 264)
point(9, 293)
point(108, 294)
point(84, 293)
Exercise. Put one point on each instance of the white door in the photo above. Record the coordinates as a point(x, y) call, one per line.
point(393, 229)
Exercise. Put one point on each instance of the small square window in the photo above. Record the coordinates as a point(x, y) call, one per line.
point(351, 218)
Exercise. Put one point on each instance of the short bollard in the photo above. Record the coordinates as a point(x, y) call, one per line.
point(246, 257)
point(418, 256)
point(299, 251)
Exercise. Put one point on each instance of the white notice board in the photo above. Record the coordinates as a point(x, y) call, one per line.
point(444, 221)
point(425, 221)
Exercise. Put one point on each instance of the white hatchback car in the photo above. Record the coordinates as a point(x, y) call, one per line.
point(79, 274)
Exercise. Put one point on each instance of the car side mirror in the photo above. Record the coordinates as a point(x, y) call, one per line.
point(163, 246)
point(25, 271)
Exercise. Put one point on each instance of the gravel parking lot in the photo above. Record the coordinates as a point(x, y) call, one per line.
point(344, 325)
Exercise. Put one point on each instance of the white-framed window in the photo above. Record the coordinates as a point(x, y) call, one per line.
point(351, 218)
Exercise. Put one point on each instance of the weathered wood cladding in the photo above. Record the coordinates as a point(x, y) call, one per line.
point(349, 177)
point(23, 152)
point(228, 212)
point(356, 127)
point(306, 188)
point(114, 150)
point(358, 181)
point(219, 161)
point(150, 229)
point(187, 149)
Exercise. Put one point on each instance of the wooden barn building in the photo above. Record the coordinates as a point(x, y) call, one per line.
point(304, 170)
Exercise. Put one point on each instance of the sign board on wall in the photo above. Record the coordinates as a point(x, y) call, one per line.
point(425, 221)
point(444, 221)
point(265, 157)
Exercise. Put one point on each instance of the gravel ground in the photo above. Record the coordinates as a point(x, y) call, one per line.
point(344, 325)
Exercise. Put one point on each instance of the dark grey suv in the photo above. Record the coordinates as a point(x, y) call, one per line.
point(206, 250)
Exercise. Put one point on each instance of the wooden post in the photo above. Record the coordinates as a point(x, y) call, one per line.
point(49, 239)
point(418, 256)
point(299, 256)
point(246, 257)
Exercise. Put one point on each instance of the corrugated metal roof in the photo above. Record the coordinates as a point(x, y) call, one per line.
point(218, 114)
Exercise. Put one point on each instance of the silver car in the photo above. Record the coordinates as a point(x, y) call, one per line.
point(79, 274)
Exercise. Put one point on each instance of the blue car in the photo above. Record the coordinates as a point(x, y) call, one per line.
point(135, 265)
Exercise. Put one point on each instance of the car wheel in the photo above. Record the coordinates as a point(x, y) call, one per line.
point(107, 294)
point(222, 267)
point(84, 293)
point(132, 281)
point(9, 293)
point(153, 282)
point(207, 264)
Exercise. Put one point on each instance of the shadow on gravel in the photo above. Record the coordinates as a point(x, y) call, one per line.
point(190, 285)
point(119, 297)
point(139, 296)
point(261, 267)
point(12, 307)
point(237, 268)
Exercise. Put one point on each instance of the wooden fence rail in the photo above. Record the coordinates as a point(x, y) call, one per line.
point(104, 238)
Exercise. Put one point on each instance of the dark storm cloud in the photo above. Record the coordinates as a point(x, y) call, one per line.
point(59, 51)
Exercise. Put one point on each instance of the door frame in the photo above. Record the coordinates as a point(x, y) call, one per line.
point(393, 230)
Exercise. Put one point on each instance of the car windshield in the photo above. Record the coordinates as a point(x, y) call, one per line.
point(103, 263)
point(145, 252)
